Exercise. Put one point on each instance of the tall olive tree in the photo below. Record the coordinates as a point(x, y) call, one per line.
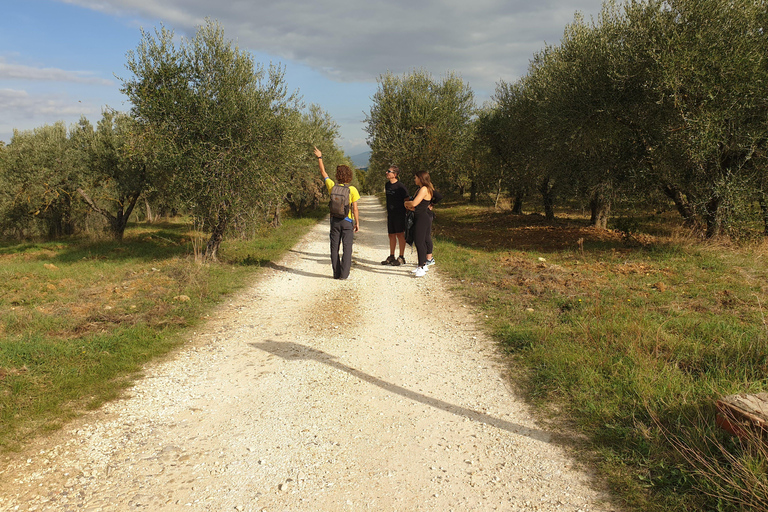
point(715, 70)
point(420, 123)
point(227, 118)
point(510, 131)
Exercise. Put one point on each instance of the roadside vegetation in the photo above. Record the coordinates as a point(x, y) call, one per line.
point(628, 338)
point(80, 317)
point(630, 313)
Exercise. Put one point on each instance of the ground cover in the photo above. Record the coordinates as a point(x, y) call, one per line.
point(79, 318)
point(628, 338)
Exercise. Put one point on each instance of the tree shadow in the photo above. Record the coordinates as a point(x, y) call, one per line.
point(295, 352)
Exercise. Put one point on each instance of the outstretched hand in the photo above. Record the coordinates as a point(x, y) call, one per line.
point(318, 153)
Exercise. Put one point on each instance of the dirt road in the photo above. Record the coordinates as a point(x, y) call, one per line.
point(305, 393)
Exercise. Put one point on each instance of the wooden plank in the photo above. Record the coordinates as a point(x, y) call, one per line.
point(737, 412)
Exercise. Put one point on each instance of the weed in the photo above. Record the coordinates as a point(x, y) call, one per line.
point(79, 318)
point(631, 342)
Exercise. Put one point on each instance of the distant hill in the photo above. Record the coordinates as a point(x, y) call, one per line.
point(361, 159)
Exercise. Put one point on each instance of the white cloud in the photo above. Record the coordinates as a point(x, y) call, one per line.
point(11, 71)
point(354, 40)
point(20, 104)
point(23, 110)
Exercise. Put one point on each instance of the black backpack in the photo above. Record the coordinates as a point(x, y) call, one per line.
point(339, 204)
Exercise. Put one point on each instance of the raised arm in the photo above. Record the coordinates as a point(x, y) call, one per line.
point(319, 156)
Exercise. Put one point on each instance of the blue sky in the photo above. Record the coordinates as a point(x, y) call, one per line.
point(63, 59)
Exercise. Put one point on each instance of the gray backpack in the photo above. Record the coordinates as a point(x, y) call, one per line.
point(339, 204)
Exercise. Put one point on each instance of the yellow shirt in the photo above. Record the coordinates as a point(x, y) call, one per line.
point(354, 195)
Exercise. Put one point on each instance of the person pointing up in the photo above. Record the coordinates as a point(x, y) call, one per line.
point(343, 225)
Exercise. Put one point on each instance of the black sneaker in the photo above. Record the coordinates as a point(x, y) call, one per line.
point(390, 260)
point(400, 261)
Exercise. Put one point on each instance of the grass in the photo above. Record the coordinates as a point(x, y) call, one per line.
point(79, 318)
point(629, 340)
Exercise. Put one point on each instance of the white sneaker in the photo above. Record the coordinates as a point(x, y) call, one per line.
point(417, 269)
point(420, 272)
point(430, 261)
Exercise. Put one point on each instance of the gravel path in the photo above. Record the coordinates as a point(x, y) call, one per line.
point(305, 393)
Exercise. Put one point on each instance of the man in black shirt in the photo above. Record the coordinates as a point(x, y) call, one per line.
point(396, 193)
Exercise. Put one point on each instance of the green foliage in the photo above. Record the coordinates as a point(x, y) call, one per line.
point(39, 172)
point(716, 76)
point(420, 124)
point(654, 97)
point(305, 189)
point(78, 318)
point(125, 159)
point(631, 346)
point(232, 125)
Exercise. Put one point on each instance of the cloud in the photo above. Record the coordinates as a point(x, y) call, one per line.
point(347, 41)
point(23, 110)
point(15, 103)
point(10, 71)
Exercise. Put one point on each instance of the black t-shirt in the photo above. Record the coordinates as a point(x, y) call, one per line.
point(397, 193)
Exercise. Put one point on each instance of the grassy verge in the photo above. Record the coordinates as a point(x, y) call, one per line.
point(629, 341)
point(78, 319)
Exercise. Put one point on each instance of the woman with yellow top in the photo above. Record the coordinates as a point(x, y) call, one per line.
point(342, 230)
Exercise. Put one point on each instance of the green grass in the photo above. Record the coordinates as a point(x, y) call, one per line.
point(630, 343)
point(79, 318)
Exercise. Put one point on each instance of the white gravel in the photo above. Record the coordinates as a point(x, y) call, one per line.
point(305, 393)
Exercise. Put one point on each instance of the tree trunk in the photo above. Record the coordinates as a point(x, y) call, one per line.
point(600, 207)
point(517, 204)
point(276, 221)
point(682, 204)
point(119, 220)
point(472, 192)
point(714, 218)
point(117, 224)
point(764, 210)
point(149, 211)
point(217, 235)
point(546, 188)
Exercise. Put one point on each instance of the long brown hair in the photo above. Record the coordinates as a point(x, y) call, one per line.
point(425, 181)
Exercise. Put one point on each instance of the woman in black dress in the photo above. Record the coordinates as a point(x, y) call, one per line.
point(423, 219)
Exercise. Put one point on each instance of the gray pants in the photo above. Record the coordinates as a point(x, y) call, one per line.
point(342, 234)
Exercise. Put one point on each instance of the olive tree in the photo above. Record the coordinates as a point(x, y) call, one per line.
point(516, 147)
point(419, 123)
point(228, 120)
point(715, 71)
point(124, 158)
point(315, 127)
point(40, 172)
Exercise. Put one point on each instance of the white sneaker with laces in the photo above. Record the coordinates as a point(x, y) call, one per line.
point(430, 262)
point(420, 272)
point(417, 269)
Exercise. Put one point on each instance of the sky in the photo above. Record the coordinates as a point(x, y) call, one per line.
point(63, 59)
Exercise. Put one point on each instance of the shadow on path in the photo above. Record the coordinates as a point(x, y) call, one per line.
point(293, 352)
point(297, 272)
